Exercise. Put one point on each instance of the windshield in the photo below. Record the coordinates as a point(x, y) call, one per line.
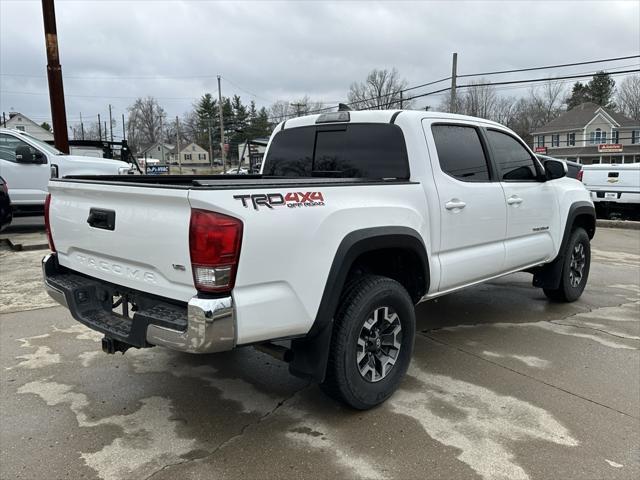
point(43, 145)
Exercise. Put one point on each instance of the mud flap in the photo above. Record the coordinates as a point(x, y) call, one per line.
point(549, 276)
point(311, 354)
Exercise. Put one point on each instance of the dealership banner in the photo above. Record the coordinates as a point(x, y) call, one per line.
point(610, 147)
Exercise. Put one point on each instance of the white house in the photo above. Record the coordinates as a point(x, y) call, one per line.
point(191, 154)
point(21, 122)
point(160, 151)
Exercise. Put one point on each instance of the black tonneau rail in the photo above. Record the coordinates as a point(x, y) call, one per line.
point(224, 182)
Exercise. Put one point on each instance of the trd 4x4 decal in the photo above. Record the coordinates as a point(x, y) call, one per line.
point(291, 199)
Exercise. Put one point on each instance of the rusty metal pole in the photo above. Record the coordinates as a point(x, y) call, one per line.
point(54, 75)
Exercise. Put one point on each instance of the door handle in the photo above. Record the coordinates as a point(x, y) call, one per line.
point(514, 200)
point(454, 204)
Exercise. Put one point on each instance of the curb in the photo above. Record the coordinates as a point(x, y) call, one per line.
point(20, 247)
point(624, 224)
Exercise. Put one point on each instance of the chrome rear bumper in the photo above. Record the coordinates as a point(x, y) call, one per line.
point(210, 322)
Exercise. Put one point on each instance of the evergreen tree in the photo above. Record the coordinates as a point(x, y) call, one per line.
point(579, 94)
point(601, 89)
point(262, 124)
point(207, 118)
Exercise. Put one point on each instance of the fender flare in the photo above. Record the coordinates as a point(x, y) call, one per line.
point(310, 353)
point(548, 276)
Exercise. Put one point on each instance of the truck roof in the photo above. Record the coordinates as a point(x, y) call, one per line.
point(383, 116)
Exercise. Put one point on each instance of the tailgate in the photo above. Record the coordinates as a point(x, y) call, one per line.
point(138, 237)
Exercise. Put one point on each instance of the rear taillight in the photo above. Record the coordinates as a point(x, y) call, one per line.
point(47, 225)
point(579, 176)
point(214, 245)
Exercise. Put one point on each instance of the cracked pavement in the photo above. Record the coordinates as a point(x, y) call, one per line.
point(504, 385)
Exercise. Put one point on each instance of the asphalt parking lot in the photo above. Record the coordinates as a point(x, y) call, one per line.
point(504, 385)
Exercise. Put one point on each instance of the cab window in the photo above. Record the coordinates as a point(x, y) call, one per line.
point(514, 162)
point(460, 153)
point(8, 145)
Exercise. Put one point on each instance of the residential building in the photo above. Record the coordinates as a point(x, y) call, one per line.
point(190, 154)
point(590, 134)
point(159, 151)
point(18, 121)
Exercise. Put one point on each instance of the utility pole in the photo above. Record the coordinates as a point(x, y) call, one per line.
point(81, 127)
point(297, 106)
point(401, 102)
point(4, 120)
point(178, 142)
point(124, 131)
point(105, 131)
point(99, 128)
point(110, 124)
point(454, 73)
point(54, 76)
point(209, 121)
point(224, 168)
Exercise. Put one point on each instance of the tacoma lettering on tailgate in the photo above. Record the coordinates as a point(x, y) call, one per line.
point(123, 271)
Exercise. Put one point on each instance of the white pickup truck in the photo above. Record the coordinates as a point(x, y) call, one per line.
point(355, 218)
point(615, 189)
point(27, 163)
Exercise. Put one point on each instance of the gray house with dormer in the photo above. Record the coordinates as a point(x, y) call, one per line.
point(590, 134)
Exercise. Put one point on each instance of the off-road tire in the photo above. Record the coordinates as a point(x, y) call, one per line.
point(578, 247)
point(360, 300)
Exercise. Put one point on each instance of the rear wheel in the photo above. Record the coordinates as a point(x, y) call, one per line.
point(575, 269)
point(372, 342)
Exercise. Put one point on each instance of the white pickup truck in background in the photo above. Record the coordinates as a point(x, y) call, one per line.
point(27, 164)
point(355, 218)
point(615, 189)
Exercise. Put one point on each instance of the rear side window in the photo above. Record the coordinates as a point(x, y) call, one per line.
point(374, 150)
point(460, 152)
point(513, 160)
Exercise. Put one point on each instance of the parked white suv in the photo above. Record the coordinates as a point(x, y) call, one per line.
point(27, 163)
point(356, 217)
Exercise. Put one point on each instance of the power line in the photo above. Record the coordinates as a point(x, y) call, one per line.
point(511, 82)
point(246, 91)
point(530, 69)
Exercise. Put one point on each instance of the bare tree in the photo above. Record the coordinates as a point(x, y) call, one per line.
point(628, 98)
point(279, 111)
point(191, 130)
point(282, 110)
point(381, 90)
point(548, 99)
point(479, 100)
point(304, 106)
point(146, 118)
point(451, 105)
point(504, 110)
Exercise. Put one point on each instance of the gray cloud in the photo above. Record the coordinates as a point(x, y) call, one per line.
point(283, 50)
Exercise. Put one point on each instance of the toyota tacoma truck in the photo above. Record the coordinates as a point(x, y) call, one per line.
point(355, 218)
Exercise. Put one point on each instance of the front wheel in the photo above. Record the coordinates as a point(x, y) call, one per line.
point(575, 269)
point(371, 344)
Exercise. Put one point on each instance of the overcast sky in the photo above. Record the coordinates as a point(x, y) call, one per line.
point(114, 50)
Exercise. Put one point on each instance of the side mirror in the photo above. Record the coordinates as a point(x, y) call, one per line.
point(555, 169)
point(24, 155)
point(40, 157)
